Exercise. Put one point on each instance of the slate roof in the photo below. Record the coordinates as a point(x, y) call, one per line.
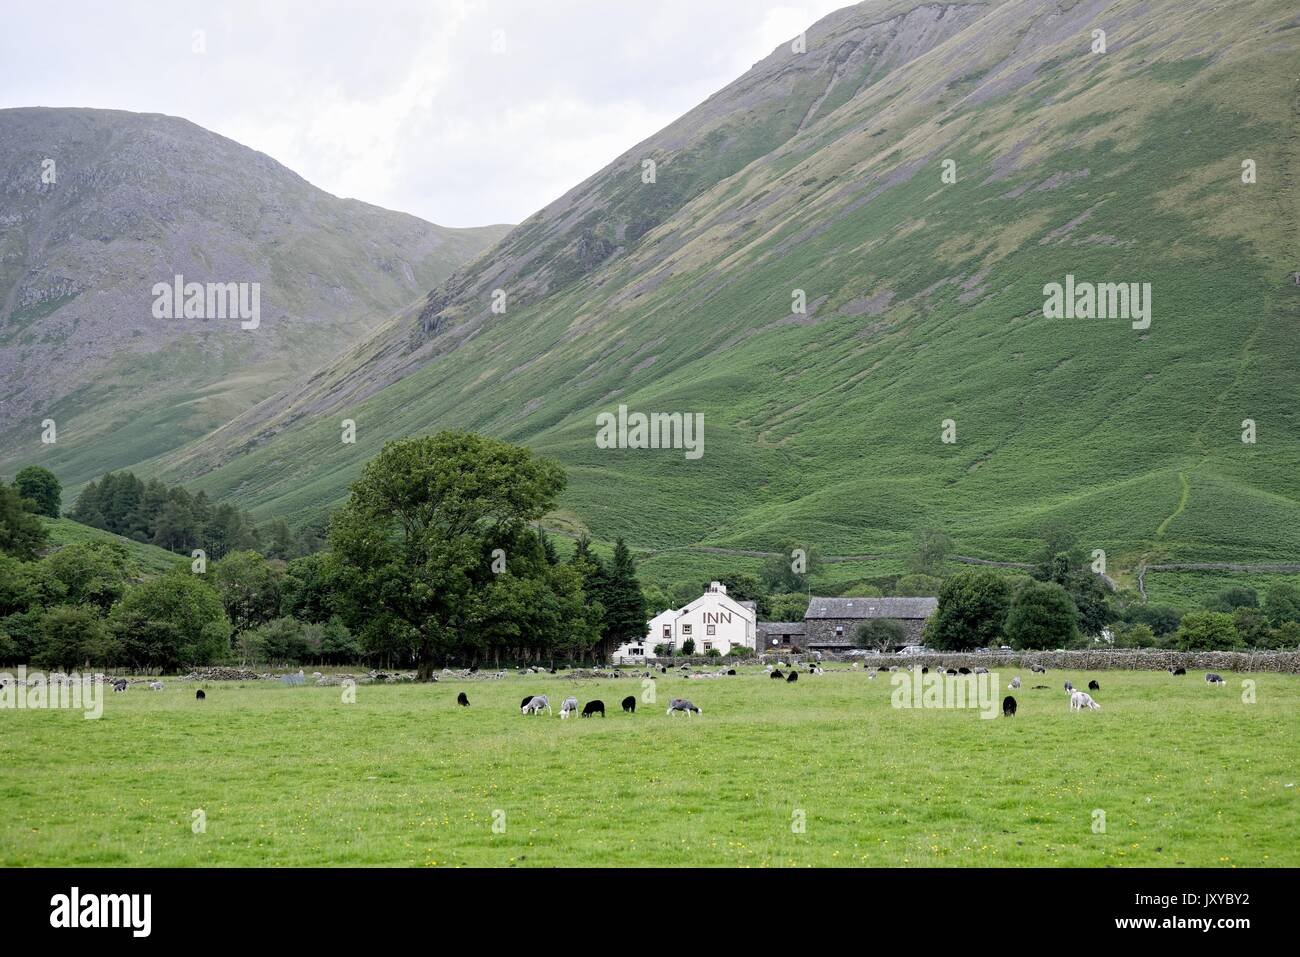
point(781, 627)
point(871, 607)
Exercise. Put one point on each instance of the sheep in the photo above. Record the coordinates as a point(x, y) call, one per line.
point(952, 672)
point(1093, 686)
point(629, 704)
point(570, 704)
point(155, 686)
point(681, 704)
point(925, 670)
point(1212, 679)
point(793, 676)
point(731, 671)
point(776, 674)
point(1008, 707)
point(199, 695)
point(1015, 683)
point(872, 676)
point(120, 684)
point(593, 706)
point(1069, 686)
point(1178, 671)
point(963, 671)
point(981, 671)
point(463, 700)
point(1081, 699)
point(1038, 669)
point(536, 705)
point(524, 704)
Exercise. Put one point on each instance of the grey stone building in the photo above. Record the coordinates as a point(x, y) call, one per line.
point(831, 624)
point(780, 635)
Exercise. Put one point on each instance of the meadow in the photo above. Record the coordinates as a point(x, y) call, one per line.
point(823, 772)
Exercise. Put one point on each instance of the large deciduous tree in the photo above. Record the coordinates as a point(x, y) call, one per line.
point(972, 611)
point(416, 541)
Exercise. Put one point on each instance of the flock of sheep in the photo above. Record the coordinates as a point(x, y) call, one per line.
point(536, 704)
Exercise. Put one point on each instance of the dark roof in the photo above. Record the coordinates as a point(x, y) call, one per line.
point(781, 627)
point(871, 607)
point(751, 605)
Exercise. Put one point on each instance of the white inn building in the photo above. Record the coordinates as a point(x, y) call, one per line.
point(712, 621)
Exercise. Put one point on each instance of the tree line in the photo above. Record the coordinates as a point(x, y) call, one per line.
point(435, 558)
point(173, 518)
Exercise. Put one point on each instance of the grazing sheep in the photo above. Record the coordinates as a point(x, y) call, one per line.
point(981, 671)
point(155, 686)
point(1081, 699)
point(629, 704)
point(681, 704)
point(1015, 682)
point(536, 705)
point(1038, 669)
point(731, 671)
point(1178, 671)
point(199, 695)
point(872, 676)
point(777, 674)
point(1069, 686)
point(1093, 686)
point(120, 684)
point(593, 706)
point(963, 671)
point(952, 672)
point(463, 700)
point(1008, 707)
point(524, 704)
point(793, 676)
point(1212, 679)
point(569, 704)
point(925, 670)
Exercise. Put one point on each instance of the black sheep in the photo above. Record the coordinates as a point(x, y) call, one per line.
point(1178, 671)
point(963, 671)
point(629, 704)
point(793, 676)
point(1008, 707)
point(592, 707)
point(925, 670)
point(1093, 686)
point(778, 674)
point(462, 700)
point(527, 698)
point(199, 695)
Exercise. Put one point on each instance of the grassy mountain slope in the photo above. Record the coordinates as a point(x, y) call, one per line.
point(148, 559)
point(821, 171)
point(136, 199)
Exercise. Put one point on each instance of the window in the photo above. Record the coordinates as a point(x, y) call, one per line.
point(668, 631)
point(686, 629)
point(839, 631)
point(711, 629)
point(635, 651)
point(708, 646)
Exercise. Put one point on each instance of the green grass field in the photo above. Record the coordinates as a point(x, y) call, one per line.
point(1185, 774)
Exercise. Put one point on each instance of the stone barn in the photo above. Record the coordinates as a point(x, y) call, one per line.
point(780, 635)
point(831, 624)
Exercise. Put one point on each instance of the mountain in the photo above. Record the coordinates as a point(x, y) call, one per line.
point(823, 171)
point(98, 206)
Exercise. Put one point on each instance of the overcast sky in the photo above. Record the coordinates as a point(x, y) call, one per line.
point(462, 112)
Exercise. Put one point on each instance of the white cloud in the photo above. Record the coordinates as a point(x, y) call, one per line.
point(404, 103)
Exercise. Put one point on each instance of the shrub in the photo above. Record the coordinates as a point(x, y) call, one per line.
point(1206, 631)
point(688, 646)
